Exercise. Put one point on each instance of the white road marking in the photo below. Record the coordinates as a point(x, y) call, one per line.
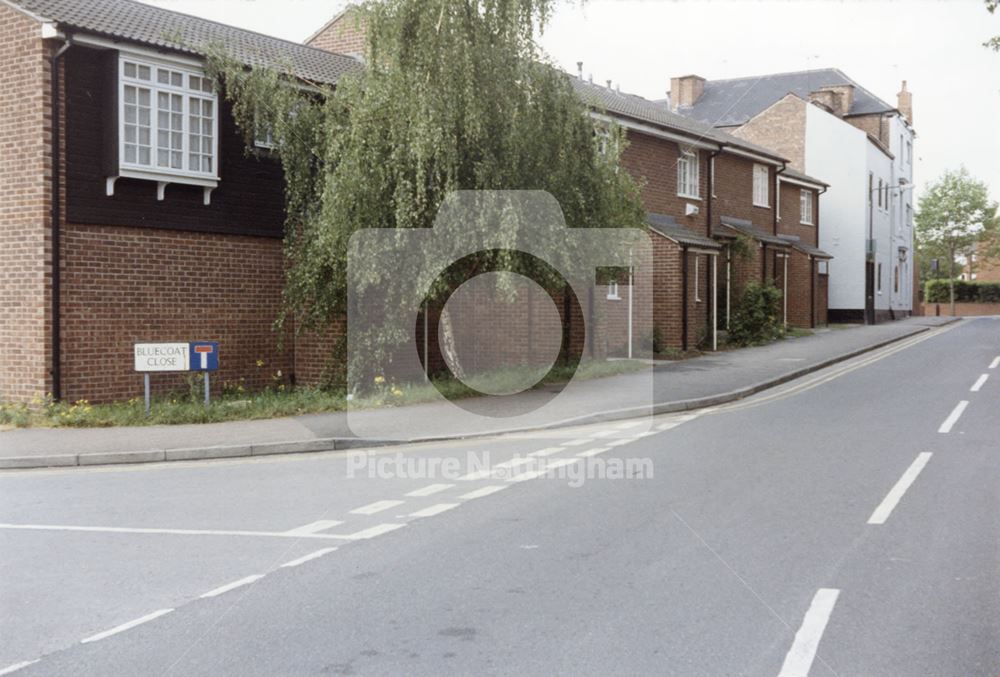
point(800, 657)
point(560, 463)
point(372, 532)
point(377, 506)
point(628, 424)
point(576, 443)
point(177, 532)
point(887, 505)
point(593, 452)
point(485, 491)
point(547, 451)
point(314, 527)
point(307, 558)
point(434, 510)
point(603, 433)
point(17, 666)
point(953, 417)
point(513, 463)
point(618, 443)
point(232, 586)
point(126, 626)
point(979, 383)
point(525, 476)
point(995, 363)
point(429, 490)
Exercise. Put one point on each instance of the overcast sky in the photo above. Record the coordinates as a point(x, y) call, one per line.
point(934, 45)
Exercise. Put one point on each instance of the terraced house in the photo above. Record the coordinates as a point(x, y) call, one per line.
point(130, 210)
point(828, 125)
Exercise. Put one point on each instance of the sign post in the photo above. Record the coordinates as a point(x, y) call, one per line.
point(201, 356)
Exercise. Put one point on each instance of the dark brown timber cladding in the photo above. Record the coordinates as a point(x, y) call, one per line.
point(248, 201)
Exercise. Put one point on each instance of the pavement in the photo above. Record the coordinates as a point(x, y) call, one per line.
point(843, 523)
point(709, 380)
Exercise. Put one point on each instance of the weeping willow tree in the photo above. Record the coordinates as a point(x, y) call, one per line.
point(454, 95)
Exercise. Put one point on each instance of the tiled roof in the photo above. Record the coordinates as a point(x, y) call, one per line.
point(635, 107)
point(729, 103)
point(812, 251)
point(745, 227)
point(667, 226)
point(793, 174)
point(157, 27)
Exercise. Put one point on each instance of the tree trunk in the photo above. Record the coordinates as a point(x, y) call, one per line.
point(951, 282)
point(448, 345)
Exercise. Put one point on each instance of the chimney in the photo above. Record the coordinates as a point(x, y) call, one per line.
point(685, 91)
point(838, 99)
point(579, 69)
point(904, 102)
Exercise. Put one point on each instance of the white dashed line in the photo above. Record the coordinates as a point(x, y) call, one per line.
point(800, 657)
point(377, 506)
point(125, 626)
point(430, 490)
point(434, 510)
point(979, 383)
point(995, 363)
point(953, 417)
point(232, 586)
point(618, 443)
point(307, 558)
point(593, 452)
point(372, 532)
point(176, 532)
point(513, 463)
point(887, 505)
point(576, 443)
point(547, 451)
point(313, 527)
point(17, 666)
point(485, 491)
point(603, 433)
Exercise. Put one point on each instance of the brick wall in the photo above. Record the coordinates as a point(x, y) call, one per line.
point(789, 221)
point(124, 285)
point(873, 125)
point(25, 253)
point(782, 128)
point(344, 34)
point(653, 162)
point(734, 192)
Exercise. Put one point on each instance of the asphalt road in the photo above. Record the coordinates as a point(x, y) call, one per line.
point(844, 524)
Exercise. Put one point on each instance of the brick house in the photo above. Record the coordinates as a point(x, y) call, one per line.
point(830, 126)
point(694, 179)
point(156, 225)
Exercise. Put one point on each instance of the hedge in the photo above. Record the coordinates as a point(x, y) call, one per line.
point(936, 291)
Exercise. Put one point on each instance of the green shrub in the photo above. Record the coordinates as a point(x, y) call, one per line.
point(756, 316)
point(937, 291)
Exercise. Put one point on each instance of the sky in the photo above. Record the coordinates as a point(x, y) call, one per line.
point(936, 46)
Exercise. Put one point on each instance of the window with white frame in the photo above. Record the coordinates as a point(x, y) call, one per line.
point(909, 152)
point(760, 181)
point(687, 174)
point(806, 207)
point(169, 121)
point(613, 291)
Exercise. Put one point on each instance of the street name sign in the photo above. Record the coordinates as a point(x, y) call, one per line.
point(163, 357)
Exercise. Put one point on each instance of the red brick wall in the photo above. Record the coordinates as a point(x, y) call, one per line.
point(734, 192)
point(25, 252)
point(124, 285)
point(653, 162)
point(344, 35)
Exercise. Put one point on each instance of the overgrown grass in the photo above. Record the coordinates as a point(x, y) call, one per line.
point(187, 406)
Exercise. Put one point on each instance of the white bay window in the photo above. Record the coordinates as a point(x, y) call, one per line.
point(168, 125)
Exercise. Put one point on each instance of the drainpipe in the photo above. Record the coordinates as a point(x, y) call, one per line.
point(684, 302)
point(54, 217)
point(711, 190)
point(777, 194)
point(812, 292)
point(763, 263)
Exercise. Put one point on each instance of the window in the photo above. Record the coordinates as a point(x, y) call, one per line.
point(909, 215)
point(871, 187)
point(895, 280)
point(880, 193)
point(806, 207)
point(603, 140)
point(760, 180)
point(613, 291)
point(687, 174)
point(169, 121)
point(878, 278)
point(909, 152)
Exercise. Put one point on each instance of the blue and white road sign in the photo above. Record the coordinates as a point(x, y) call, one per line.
point(204, 356)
